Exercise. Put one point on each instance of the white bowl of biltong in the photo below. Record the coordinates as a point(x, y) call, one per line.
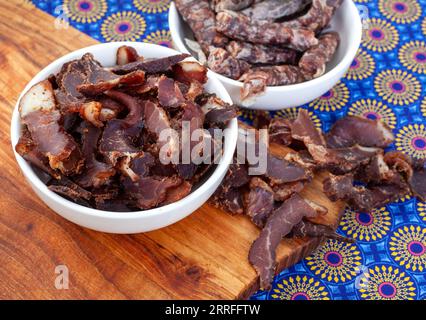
point(85, 134)
point(270, 54)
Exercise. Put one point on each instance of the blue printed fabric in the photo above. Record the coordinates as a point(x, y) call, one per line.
point(386, 81)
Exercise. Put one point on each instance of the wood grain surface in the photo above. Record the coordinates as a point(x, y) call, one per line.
point(201, 257)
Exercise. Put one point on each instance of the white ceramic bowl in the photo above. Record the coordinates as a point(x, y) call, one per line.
point(346, 21)
point(126, 222)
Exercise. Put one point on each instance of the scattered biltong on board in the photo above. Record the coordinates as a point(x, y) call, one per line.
point(93, 132)
point(361, 174)
point(262, 43)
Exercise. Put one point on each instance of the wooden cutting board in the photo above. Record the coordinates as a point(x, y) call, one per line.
point(201, 257)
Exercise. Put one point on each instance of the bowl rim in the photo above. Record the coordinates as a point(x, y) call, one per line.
point(347, 59)
point(28, 172)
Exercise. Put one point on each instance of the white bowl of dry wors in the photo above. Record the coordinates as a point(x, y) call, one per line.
point(270, 54)
point(87, 131)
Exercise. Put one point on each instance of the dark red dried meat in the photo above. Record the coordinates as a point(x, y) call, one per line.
point(280, 131)
point(190, 71)
point(418, 184)
point(314, 60)
point(156, 122)
point(230, 201)
point(101, 85)
point(149, 192)
point(303, 129)
point(261, 54)
point(341, 161)
point(126, 54)
point(110, 109)
point(281, 171)
point(169, 94)
point(279, 224)
point(237, 176)
point(317, 17)
point(238, 26)
point(284, 191)
point(95, 173)
point(70, 190)
point(27, 149)
point(352, 130)
point(222, 62)
point(201, 19)
point(54, 142)
point(256, 79)
point(360, 197)
point(177, 193)
point(152, 66)
point(259, 202)
point(216, 111)
point(234, 5)
point(309, 229)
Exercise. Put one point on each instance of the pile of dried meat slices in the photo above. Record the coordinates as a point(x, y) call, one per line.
point(361, 174)
point(262, 43)
point(92, 133)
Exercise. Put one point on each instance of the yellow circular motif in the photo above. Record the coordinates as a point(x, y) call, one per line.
point(362, 67)
point(152, 6)
point(397, 87)
point(85, 11)
point(333, 100)
point(123, 26)
point(400, 11)
point(407, 247)
point(386, 282)
point(366, 226)
point(299, 288)
point(161, 37)
point(380, 35)
point(413, 56)
point(411, 140)
point(335, 261)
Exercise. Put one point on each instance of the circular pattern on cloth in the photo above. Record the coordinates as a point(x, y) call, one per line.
point(380, 36)
point(373, 110)
point(421, 208)
point(400, 11)
point(397, 87)
point(299, 287)
point(411, 140)
point(386, 282)
point(161, 37)
point(333, 100)
point(335, 261)
point(85, 11)
point(407, 247)
point(413, 56)
point(291, 114)
point(362, 67)
point(366, 226)
point(152, 6)
point(123, 26)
